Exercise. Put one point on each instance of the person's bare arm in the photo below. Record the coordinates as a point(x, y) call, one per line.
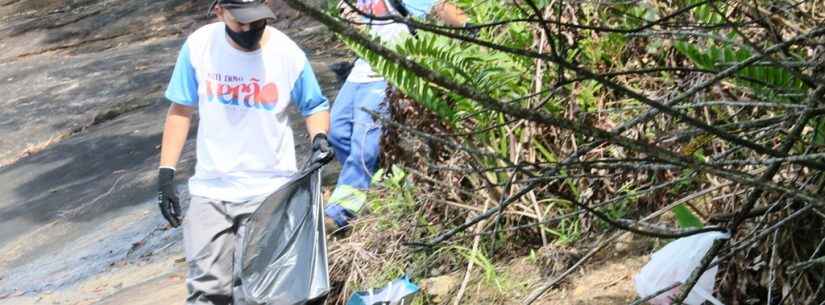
point(317, 123)
point(349, 14)
point(175, 132)
point(450, 14)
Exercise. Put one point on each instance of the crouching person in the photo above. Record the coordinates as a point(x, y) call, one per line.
point(355, 134)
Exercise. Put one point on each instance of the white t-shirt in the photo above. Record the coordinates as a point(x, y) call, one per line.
point(245, 146)
point(388, 31)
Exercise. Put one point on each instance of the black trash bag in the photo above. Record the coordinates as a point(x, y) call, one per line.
point(284, 252)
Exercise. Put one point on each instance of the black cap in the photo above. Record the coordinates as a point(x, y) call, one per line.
point(245, 11)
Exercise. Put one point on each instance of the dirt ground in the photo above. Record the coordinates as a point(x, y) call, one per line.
point(607, 278)
point(606, 283)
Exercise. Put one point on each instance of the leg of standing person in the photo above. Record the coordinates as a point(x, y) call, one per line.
point(208, 238)
point(212, 244)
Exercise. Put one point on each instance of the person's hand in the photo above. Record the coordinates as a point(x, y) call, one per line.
point(167, 199)
point(336, 219)
point(321, 151)
point(345, 10)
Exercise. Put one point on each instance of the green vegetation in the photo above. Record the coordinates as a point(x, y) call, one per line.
point(709, 171)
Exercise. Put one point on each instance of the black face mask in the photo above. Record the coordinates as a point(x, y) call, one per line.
point(247, 40)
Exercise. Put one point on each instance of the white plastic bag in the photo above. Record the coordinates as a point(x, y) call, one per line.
point(674, 263)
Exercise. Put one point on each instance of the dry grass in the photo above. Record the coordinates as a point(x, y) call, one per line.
point(370, 255)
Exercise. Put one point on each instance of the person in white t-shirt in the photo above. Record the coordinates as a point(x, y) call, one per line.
point(241, 75)
point(355, 134)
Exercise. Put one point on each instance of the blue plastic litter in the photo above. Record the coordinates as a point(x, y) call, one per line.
point(396, 292)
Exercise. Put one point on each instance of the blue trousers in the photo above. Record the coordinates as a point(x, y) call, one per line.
point(354, 134)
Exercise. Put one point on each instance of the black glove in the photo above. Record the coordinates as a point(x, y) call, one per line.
point(321, 151)
point(167, 199)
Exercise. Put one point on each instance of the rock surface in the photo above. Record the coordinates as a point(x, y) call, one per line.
point(440, 288)
point(82, 125)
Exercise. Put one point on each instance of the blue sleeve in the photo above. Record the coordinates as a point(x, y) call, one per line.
point(306, 93)
point(419, 8)
point(183, 86)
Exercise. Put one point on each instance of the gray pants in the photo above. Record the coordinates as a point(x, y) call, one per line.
point(212, 235)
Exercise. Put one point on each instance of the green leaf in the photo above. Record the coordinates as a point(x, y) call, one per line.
point(819, 132)
point(686, 218)
point(378, 176)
